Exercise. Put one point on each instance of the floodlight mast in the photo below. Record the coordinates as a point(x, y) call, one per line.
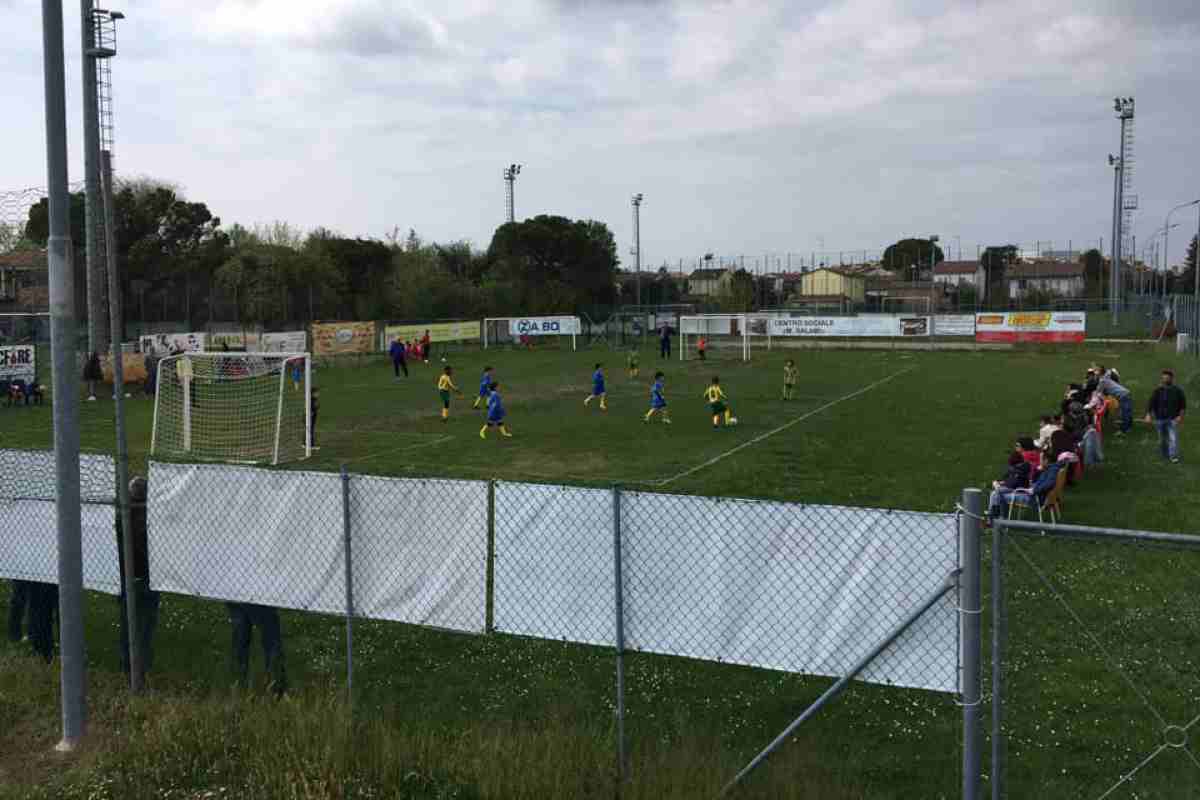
point(637, 243)
point(510, 178)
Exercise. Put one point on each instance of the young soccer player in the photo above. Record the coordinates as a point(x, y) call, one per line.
point(658, 402)
point(631, 363)
point(445, 386)
point(790, 374)
point(701, 346)
point(598, 388)
point(717, 404)
point(485, 386)
point(496, 413)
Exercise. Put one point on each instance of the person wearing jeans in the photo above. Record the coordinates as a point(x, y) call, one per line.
point(1165, 410)
point(1111, 388)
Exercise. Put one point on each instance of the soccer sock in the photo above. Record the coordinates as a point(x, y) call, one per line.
point(649, 414)
point(603, 403)
point(476, 403)
point(728, 415)
point(716, 420)
point(587, 399)
point(483, 432)
point(445, 413)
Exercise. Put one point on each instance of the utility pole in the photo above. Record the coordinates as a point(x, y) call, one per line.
point(637, 243)
point(510, 178)
point(1124, 205)
point(93, 225)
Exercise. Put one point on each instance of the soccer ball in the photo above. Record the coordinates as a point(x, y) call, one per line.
point(733, 420)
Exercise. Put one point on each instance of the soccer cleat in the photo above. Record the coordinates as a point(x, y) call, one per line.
point(504, 432)
point(587, 399)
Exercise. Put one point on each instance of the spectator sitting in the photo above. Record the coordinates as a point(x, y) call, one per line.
point(1030, 453)
point(1048, 427)
point(1017, 477)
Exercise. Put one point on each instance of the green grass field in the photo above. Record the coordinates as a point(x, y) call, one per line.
point(445, 715)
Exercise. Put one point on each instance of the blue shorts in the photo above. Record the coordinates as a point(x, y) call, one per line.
point(494, 419)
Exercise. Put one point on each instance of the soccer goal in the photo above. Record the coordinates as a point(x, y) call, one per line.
point(714, 336)
point(560, 331)
point(249, 408)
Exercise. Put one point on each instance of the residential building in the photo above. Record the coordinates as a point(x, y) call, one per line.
point(959, 273)
point(708, 282)
point(833, 283)
point(1056, 277)
point(24, 278)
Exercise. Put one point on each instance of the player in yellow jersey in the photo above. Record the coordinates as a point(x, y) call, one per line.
point(445, 387)
point(790, 375)
point(717, 404)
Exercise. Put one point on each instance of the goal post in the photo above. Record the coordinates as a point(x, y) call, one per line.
point(724, 336)
point(250, 408)
point(528, 331)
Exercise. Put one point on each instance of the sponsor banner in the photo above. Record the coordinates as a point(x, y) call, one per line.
point(543, 326)
point(133, 368)
point(284, 342)
point(879, 325)
point(954, 325)
point(18, 362)
point(337, 338)
point(234, 340)
point(467, 331)
point(1031, 326)
point(163, 344)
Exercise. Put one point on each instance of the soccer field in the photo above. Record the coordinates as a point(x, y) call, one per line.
point(893, 429)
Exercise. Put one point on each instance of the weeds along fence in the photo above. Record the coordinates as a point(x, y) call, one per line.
point(849, 593)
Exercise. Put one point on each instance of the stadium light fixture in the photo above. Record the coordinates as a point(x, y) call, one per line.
point(637, 242)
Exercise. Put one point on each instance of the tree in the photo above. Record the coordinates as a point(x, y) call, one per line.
point(902, 256)
point(738, 294)
point(555, 264)
point(1185, 282)
point(1095, 276)
point(995, 262)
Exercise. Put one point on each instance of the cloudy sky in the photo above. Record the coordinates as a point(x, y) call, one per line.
point(750, 126)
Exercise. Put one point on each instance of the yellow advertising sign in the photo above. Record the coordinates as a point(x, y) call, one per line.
point(133, 365)
point(336, 338)
point(1032, 320)
point(438, 332)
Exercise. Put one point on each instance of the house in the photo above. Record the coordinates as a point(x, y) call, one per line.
point(833, 283)
point(1055, 277)
point(959, 273)
point(708, 282)
point(24, 278)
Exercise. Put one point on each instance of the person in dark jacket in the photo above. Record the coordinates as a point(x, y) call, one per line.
point(244, 617)
point(18, 608)
point(151, 365)
point(399, 358)
point(92, 374)
point(43, 605)
point(1016, 477)
point(664, 341)
point(1165, 410)
point(147, 601)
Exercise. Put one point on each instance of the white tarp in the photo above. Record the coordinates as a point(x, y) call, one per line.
point(543, 326)
point(285, 342)
point(711, 326)
point(18, 362)
point(248, 535)
point(163, 344)
point(954, 325)
point(419, 551)
point(805, 589)
point(554, 562)
point(879, 325)
point(29, 519)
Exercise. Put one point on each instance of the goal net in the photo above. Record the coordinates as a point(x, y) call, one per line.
point(714, 337)
point(239, 407)
point(559, 331)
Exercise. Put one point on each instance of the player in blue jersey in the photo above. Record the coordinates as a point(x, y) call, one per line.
point(658, 401)
point(485, 386)
point(495, 413)
point(598, 388)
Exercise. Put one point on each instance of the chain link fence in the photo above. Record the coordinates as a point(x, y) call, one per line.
point(1095, 687)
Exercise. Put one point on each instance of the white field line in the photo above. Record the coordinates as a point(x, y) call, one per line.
point(430, 443)
point(781, 428)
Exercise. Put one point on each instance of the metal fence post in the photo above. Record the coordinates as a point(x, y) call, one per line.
point(63, 343)
point(349, 588)
point(489, 624)
point(999, 634)
point(619, 606)
point(969, 530)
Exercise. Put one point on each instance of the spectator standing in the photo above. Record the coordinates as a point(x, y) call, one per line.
point(151, 365)
point(399, 362)
point(18, 608)
point(43, 603)
point(1110, 387)
point(314, 405)
point(1165, 410)
point(425, 342)
point(147, 601)
point(664, 341)
point(92, 374)
point(243, 618)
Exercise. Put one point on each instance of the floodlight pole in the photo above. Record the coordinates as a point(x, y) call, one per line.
point(66, 387)
point(637, 243)
point(510, 178)
point(91, 172)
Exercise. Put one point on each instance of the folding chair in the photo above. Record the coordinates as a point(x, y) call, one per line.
point(1025, 498)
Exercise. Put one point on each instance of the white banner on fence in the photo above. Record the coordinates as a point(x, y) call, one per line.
point(554, 562)
point(18, 362)
point(954, 325)
point(879, 325)
point(419, 551)
point(807, 589)
point(248, 535)
point(29, 519)
point(162, 344)
point(285, 342)
point(710, 326)
point(543, 326)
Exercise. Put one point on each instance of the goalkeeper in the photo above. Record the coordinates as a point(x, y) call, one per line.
point(790, 376)
point(717, 405)
point(445, 386)
point(495, 413)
